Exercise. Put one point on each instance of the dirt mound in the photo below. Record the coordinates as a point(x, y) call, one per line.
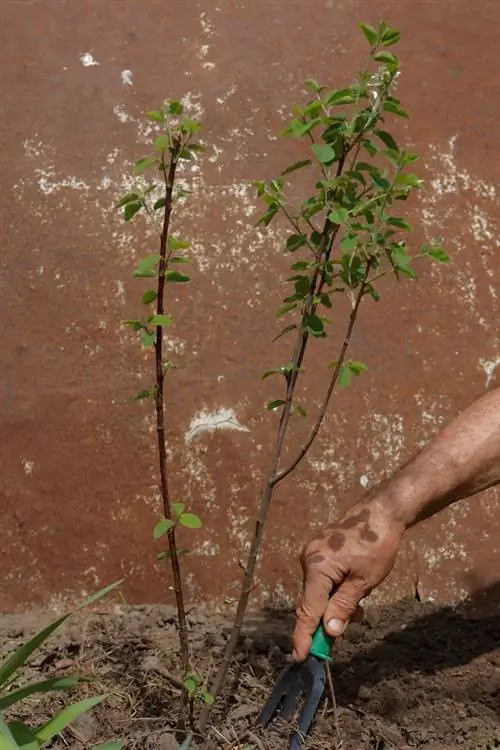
point(421, 677)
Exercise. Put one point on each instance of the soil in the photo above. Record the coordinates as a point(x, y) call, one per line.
point(416, 676)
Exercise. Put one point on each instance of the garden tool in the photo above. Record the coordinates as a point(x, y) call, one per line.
point(309, 678)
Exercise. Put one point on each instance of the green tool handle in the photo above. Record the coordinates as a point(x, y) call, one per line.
point(322, 644)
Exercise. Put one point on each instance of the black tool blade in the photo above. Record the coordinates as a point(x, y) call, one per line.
point(285, 684)
point(314, 678)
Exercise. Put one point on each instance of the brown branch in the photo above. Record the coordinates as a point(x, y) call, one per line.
point(352, 319)
point(169, 177)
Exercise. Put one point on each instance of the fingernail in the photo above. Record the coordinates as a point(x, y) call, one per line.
point(336, 626)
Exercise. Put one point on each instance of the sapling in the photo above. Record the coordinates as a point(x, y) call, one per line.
point(156, 199)
point(344, 238)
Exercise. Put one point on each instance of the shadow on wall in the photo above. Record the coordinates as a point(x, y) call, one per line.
point(414, 653)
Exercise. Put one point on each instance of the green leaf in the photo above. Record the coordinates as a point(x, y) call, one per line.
point(149, 296)
point(297, 165)
point(357, 367)
point(273, 405)
point(23, 736)
point(66, 717)
point(386, 138)
point(349, 242)
point(313, 85)
point(206, 698)
point(178, 508)
point(144, 163)
point(178, 259)
point(396, 221)
point(370, 147)
point(314, 325)
point(190, 521)
point(437, 253)
point(136, 325)
point(340, 97)
point(391, 36)
point(146, 266)
point(175, 107)
point(162, 527)
point(160, 203)
point(162, 143)
point(113, 745)
point(344, 376)
point(57, 683)
point(300, 410)
point(129, 198)
point(387, 57)
point(295, 241)
point(160, 320)
point(7, 741)
point(147, 339)
point(286, 309)
point(395, 109)
point(191, 684)
point(176, 276)
point(339, 216)
point(157, 115)
point(369, 32)
point(187, 154)
point(324, 153)
point(142, 394)
point(176, 244)
point(131, 209)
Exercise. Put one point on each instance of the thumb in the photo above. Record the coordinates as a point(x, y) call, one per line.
point(342, 606)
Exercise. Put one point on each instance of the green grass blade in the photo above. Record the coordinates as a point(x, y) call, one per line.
point(7, 741)
point(19, 657)
point(66, 717)
point(99, 594)
point(57, 683)
point(113, 745)
point(24, 736)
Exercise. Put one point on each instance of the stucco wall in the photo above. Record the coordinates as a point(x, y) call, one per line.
point(77, 461)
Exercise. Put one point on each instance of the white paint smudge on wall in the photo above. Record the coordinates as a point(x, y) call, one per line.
point(126, 76)
point(87, 60)
point(221, 419)
point(489, 367)
point(28, 466)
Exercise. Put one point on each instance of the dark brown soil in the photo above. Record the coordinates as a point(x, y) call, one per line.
point(420, 677)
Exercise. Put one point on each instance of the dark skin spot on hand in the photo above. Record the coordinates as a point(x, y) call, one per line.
point(336, 541)
point(367, 535)
point(315, 559)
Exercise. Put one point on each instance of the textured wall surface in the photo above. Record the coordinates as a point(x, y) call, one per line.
point(77, 460)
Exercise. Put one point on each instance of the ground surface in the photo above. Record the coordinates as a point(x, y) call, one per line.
point(417, 677)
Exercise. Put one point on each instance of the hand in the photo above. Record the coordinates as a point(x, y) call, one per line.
point(350, 560)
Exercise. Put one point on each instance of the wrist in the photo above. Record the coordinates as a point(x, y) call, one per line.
point(400, 501)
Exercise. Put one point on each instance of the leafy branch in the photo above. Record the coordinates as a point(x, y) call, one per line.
point(157, 200)
point(347, 238)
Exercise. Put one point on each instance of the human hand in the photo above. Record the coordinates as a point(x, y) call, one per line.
point(340, 569)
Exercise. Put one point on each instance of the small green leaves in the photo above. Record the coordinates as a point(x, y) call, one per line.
point(369, 33)
point(175, 107)
point(324, 153)
point(160, 320)
point(297, 165)
point(142, 395)
point(163, 527)
point(396, 109)
point(147, 339)
point(144, 163)
point(273, 405)
point(347, 370)
point(295, 241)
point(283, 370)
point(314, 325)
point(388, 58)
point(163, 143)
point(339, 216)
point(435, 252)
point(128, 198)
point(397, 221)
point(176, 244)
point(149, 296)
point(131, 208)
point(157, 115)
point(177, 277)
point(178, 508)
point(146, 267)
point(340, 97)
point(190, 521)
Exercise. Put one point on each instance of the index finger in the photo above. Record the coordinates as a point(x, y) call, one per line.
point(317, 590)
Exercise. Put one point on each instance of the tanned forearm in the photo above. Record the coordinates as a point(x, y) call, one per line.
point(461, 460)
